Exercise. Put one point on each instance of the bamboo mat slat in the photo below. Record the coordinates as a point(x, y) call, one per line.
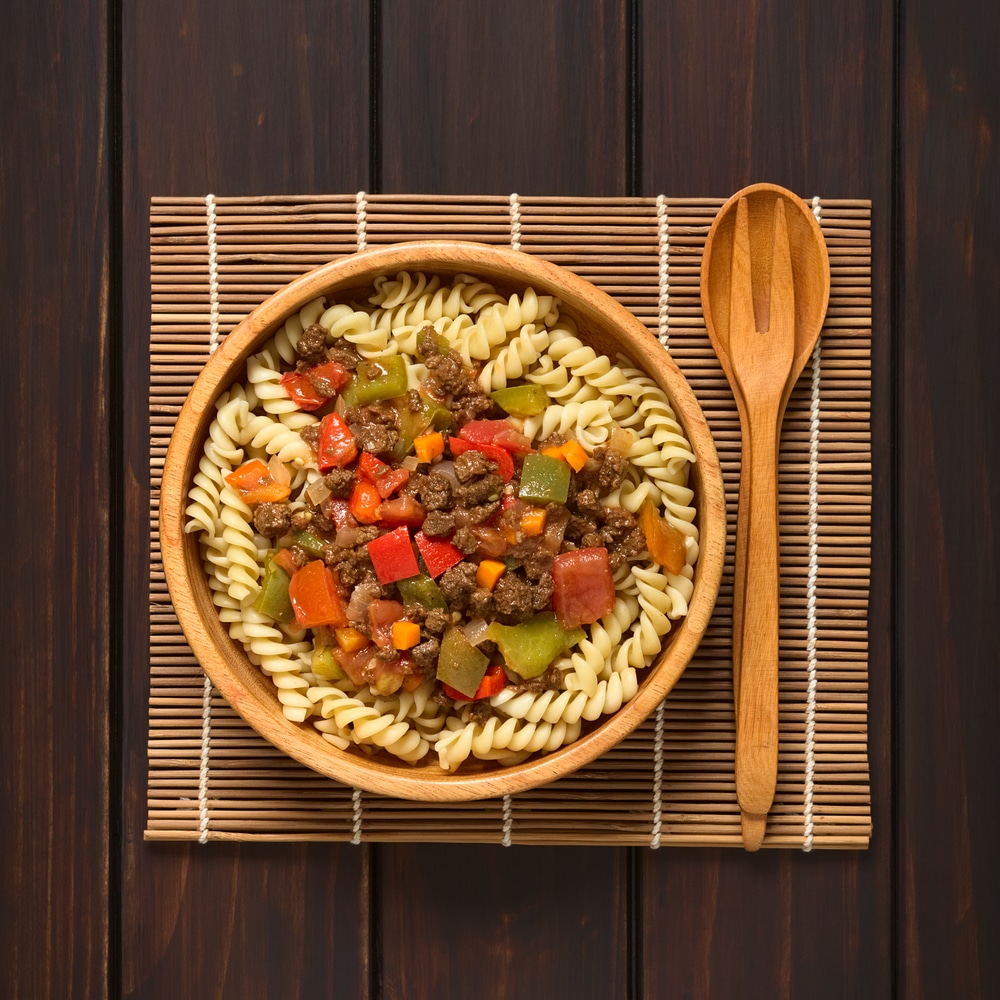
point(210, 777)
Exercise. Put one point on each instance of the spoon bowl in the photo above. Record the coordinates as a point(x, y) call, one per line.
point(765, 286)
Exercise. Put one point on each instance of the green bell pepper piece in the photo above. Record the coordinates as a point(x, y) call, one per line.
point(421, 590)
point(544, 479)
point(324, 664)
point(529, 648)
point(460, 664)
point(313, 544)
point(521, 400)
point(376, 379)
point(442, 343)
point(431, 416)
point(273, 599)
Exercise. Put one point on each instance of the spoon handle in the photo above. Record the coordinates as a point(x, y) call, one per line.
point(757, 707)
point(763, 365)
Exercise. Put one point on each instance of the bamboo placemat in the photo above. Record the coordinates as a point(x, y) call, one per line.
point(212, 778)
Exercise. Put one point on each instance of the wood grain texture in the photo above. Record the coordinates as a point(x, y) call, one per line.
point(797, 95)
point(255, 98)
point(229, 97)
point(54, 724)
point(462, 921)
point(733, 96)
point(503, 95)
point(949, 558)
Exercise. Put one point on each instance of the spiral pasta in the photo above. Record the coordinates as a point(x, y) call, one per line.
point(513, 339)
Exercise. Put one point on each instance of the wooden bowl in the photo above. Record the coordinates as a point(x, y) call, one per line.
point(603, 324)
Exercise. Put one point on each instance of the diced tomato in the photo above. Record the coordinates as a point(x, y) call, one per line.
point(339, 511)
point(492, 544)
point(500, 433)
point(354, 663)
point(583, 587)
point(504, 459)
point(385, 478)
point(253, 482)
point(392, 556)
point(328, 378)
point(381, 615)
point(492, 683)
point(401, 510)
point(336, 444)
point(438, 554)
point(315, 597)
point(301, 391)
point(365, 502)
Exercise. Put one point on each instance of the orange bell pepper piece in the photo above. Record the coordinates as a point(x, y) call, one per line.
point(253, 482)
point(315, 597)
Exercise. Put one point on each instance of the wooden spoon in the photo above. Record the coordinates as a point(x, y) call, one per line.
point(765, 285)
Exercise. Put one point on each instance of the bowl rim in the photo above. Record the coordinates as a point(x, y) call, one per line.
point(226, 664)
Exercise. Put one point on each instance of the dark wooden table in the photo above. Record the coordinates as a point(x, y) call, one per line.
point(107, 102)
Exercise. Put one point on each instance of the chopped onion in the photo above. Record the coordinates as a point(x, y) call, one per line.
point(318, 493)
point(357, 607)
point(446, 468)
point(279, 471)
point(621, 441)
point(476, 631)
point(410, 462)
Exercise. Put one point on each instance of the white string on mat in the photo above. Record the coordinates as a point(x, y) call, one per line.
point(356, 800)
point(654, 842)
point(663, 272)
point(361, 215)
point(206, 747)
point(508, 820)
point(515, 222)
point(813, 572)
point(515, 244)
point(213, 274)
point(361, 231)
point(663, 335)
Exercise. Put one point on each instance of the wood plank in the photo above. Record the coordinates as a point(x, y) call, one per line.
point(504, 95)
point(949, 485)
point(54, 837)
point(732, 96)
point(228, 98)
point(467, 921)
point(491, 98)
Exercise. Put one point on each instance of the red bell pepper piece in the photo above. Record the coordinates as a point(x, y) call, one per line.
point(401, 510)
point(386, 479)
point(301, 391)
point(503, 458)
point(315, 597)
point(583, 587)
point(392, 556)
point(328, 378)
point(500, 433)
point(438, 554)
point(336, 444)
point(253, 482)
point(365, 502)
point(493, 682)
